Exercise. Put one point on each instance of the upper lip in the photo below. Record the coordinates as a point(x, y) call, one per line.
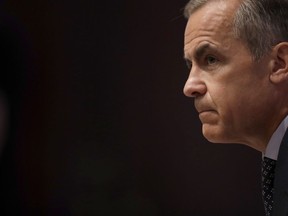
point(202, 108)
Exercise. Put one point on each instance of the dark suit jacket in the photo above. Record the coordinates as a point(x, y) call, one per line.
point(280, 207)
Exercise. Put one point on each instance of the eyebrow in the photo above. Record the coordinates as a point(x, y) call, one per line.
point(199, 52)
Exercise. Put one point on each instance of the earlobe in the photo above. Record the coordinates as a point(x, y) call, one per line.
point(279, 72)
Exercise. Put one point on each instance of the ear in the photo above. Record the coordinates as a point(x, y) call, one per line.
point(279, 72)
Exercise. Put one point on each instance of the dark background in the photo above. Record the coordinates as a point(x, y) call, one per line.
point(102, 126)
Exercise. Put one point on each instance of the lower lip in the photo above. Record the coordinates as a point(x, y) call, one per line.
point(206, 112)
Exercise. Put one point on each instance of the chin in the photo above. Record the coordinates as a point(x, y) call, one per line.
point(214, 135)
point(214, 139)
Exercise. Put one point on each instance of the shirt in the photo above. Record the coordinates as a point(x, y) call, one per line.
point(273, 146)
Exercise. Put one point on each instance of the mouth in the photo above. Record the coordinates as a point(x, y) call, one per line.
point(205, 111)
point(203, 106)
point(207, 116)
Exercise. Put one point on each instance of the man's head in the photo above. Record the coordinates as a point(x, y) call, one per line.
point(238, 76)
point(260, 24)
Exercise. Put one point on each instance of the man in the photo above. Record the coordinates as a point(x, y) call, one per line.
point(237, 51)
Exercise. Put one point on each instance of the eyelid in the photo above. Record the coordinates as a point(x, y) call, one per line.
point(212, 64)
point(212, 56)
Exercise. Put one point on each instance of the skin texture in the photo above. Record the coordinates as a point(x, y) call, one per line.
point(238, 100)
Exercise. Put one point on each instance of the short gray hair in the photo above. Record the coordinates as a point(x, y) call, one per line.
point(260, 24)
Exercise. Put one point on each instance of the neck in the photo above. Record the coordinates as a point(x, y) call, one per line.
point(272, 134)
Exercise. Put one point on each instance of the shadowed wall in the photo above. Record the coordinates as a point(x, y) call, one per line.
point(106, 129)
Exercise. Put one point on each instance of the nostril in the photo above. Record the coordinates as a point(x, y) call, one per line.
point(188, 92)
point(194, 94)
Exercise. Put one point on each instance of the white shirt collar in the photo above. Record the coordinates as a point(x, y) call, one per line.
point(273, 146)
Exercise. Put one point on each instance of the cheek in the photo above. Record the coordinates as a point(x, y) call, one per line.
point(229, 105)
point(240, 111)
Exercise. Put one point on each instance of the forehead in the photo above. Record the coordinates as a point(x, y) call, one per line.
point(212, 21)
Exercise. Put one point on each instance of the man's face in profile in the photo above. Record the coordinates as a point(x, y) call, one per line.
point(230, 89)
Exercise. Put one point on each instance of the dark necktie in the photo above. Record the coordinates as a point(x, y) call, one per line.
point(268, 171)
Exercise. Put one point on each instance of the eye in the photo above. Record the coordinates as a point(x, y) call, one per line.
point(189, 64)
point(211, 60)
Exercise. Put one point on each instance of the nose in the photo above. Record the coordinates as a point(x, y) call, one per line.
point(194, 86)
